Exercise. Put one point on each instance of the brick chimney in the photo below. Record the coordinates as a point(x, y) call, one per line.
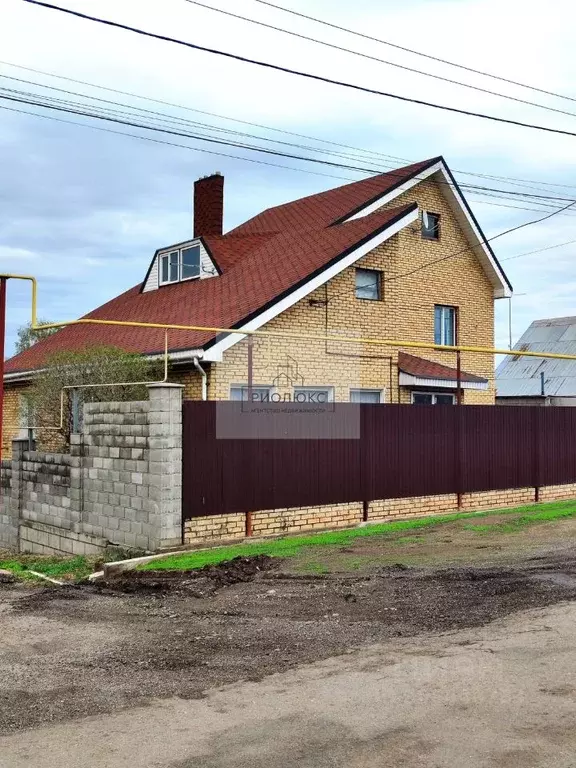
point(209, 205)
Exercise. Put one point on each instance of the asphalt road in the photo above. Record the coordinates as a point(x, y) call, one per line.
point(501, 696)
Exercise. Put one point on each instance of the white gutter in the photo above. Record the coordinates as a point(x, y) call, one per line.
point(204, 378)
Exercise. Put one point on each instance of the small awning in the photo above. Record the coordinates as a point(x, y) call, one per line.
point(417, 372)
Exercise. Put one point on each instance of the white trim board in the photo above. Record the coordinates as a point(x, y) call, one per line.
point(214, 353)
point(456, 202)
point(407, 380)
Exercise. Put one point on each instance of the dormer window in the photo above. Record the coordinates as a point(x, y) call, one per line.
point(179, 264)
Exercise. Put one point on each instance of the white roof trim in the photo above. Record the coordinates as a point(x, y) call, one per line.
point(456, 202)
point(215, 352)
point(407, 380)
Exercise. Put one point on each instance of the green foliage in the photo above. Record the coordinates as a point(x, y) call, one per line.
point(291, 546)
point(99, 367)
point(27, 336)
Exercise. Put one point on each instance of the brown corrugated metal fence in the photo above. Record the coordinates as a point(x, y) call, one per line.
point(395, 451)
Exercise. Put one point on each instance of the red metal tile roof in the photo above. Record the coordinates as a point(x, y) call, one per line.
point(258, 267)
point(426, 369)
point(326, 208)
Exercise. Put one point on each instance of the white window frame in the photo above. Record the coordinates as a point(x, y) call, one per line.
point(329, 389)
point(166, 255)
point(434, 395)
point(442, 341)
point(378, 274)
point(244, 387)
point(379, 392)
point(424, 227)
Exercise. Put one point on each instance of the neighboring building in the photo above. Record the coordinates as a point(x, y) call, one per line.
point(524, 380)
point(395, 256)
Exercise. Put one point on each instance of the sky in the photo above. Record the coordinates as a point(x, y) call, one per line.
point(84, 209)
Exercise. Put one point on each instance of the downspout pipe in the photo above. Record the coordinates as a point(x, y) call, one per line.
point(204, 375)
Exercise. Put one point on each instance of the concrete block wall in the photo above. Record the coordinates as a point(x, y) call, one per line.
point(8, 529)
point(121, 484)
point(113, 485)
point(45, 486)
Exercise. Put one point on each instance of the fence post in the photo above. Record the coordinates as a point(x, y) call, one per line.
point(536, 449)
point(77, 481)
point(17, 492)
point(165, 463)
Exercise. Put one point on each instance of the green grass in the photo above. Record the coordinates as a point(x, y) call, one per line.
point(293, 545)
point(64, 568)
point(314, 568)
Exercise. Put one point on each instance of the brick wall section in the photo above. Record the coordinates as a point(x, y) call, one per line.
point(301, 519)
point(11, 417)
point(557, 492)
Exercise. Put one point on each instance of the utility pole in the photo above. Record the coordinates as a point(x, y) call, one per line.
point(2, 346)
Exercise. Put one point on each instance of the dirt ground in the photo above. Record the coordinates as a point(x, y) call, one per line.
point(154, 643)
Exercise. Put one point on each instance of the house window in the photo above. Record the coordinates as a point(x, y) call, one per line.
point(365, 395)
point(430, 225)
point(432, 398)
point(313, 394)
point(444, 325)
point(260, 394)
point(182, 264)
point(368, 284)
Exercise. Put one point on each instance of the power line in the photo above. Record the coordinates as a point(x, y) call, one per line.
point(487, 240)
point(416, 53)
point(307, 75)
point(515, 207)
point(117, 116)
point(510, 180)
point(540, 250)
point(221, 154)
point(375, 58)
point(171, 143)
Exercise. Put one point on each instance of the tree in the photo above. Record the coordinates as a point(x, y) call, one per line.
point(66, 374)
point(27, 336)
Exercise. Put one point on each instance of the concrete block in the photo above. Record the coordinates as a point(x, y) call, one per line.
point(142, 541)
point(78, 548)
point(136, 502)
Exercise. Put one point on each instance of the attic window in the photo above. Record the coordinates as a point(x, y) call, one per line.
point(430, 225)
point(179, 264)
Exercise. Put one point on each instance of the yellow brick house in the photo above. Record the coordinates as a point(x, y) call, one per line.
point(397, 256)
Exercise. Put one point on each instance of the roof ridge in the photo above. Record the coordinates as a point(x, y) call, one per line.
point(334, 203)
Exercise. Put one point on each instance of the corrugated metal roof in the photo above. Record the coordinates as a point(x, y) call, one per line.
point(520, 376)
